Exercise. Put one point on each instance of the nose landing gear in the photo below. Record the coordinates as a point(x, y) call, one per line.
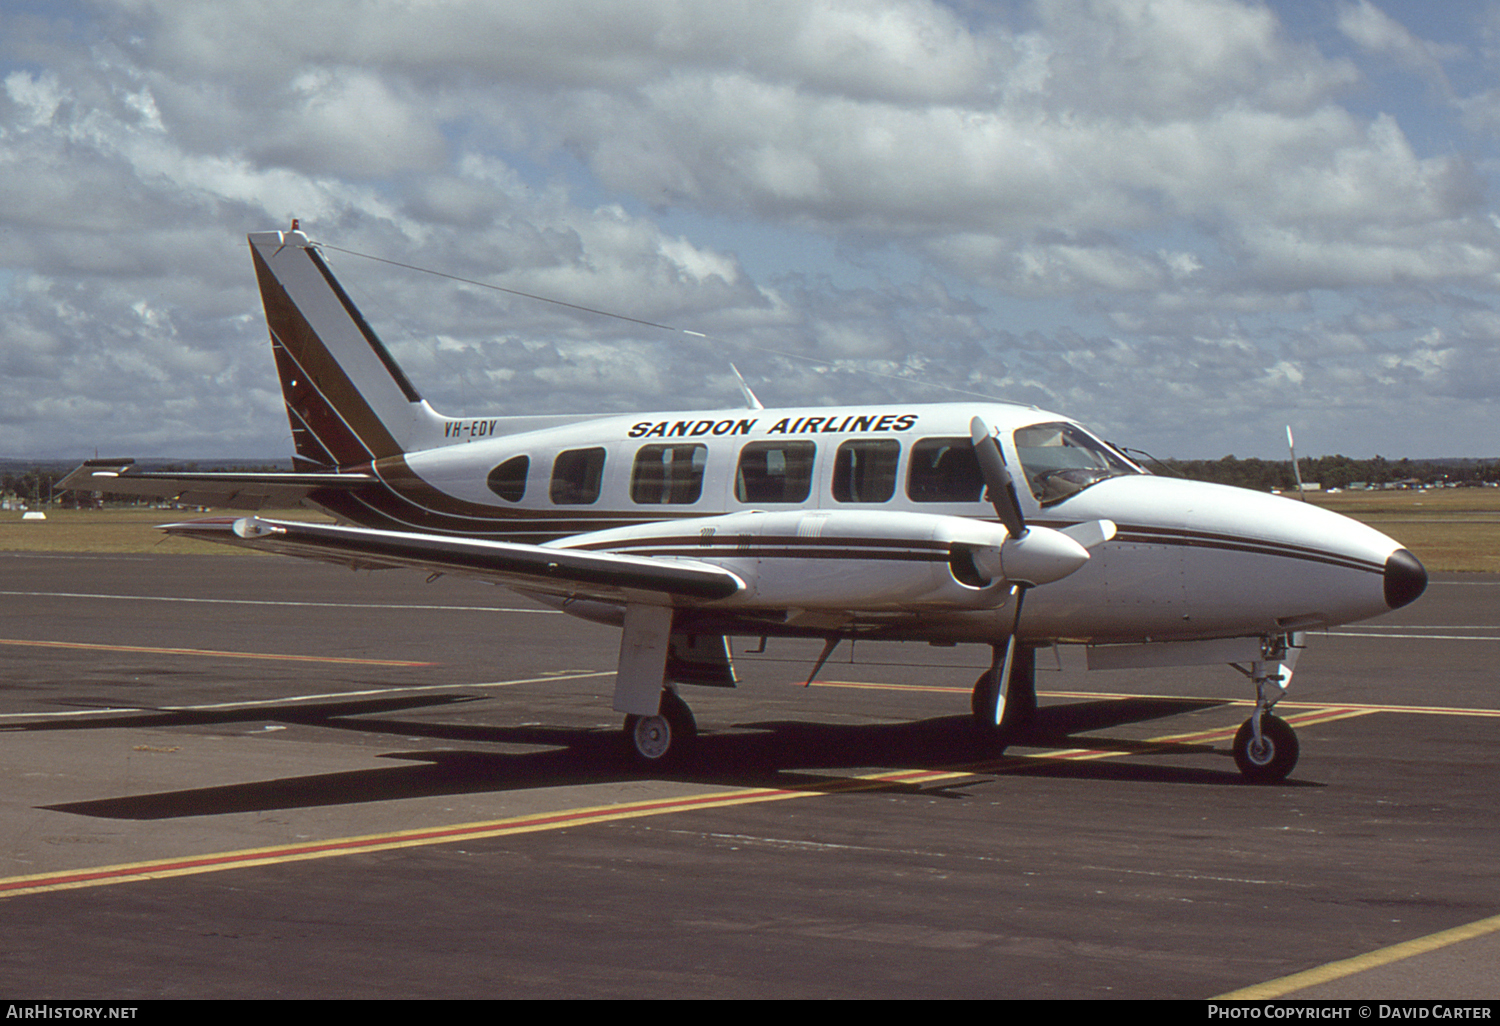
point(1269, 757)
point(1265, 747)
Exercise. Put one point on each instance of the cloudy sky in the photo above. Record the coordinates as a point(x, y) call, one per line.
point(1187, 223)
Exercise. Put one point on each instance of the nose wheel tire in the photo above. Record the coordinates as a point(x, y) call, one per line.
point(666, 740)
point(1270, 761)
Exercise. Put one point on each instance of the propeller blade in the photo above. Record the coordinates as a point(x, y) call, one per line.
point(1091, 533)
point(1002, 671)
point(997, 479)
point(1029, 556)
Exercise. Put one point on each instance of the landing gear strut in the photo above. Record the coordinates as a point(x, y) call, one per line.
point(1016, 701)
point(664, 741)
point(1266, 748)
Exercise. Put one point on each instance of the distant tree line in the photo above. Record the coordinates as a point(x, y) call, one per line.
point(28, 485)
point(1335, 471)
point(35, 483)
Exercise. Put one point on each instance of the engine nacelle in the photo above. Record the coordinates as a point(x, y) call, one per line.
point(854, 560)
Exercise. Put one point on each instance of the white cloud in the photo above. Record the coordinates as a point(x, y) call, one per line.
point(1374, 30)
point(1161, 192)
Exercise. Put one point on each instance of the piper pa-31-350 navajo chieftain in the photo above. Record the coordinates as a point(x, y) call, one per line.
point(986, 523)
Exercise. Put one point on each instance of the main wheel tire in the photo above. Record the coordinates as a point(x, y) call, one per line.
point(993, 739)
point(1020, 697)
point(666, 740)
point(982, 701)
point(1271, 760)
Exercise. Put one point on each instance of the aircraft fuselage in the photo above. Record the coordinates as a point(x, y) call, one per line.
point(1190, 559)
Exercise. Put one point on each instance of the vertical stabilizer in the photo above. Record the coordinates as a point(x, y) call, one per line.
point(346, 398)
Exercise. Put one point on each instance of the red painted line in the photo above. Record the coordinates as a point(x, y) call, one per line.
point(597, 814)
point(1168, 741)
point(882, 687)
point(1285, 703)
point(376, 842)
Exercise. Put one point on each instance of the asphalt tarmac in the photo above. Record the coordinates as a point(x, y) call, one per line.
point(259, 777)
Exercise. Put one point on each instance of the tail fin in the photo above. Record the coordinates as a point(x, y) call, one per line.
point(346, 398)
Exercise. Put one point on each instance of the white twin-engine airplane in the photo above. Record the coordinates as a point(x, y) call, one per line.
point(932, 523)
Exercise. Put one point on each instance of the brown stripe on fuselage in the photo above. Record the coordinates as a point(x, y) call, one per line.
point(410, 495)
point(1145, 535)
point(405, 502)
point(737, 540)
point(378, 508)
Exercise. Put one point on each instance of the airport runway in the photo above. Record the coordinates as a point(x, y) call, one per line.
point(258, 777)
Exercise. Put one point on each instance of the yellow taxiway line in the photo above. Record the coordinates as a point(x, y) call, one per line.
point(160, 868)
point(1307, 714)
point(561, 819)
point(208, 652)
point(1361, 963)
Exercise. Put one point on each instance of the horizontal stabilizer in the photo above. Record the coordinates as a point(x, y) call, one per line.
point(224, 490)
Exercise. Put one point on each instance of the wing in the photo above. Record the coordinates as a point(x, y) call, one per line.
point(228, 491)
point(538, 568)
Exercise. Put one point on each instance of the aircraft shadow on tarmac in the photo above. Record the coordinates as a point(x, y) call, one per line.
point(786, 755)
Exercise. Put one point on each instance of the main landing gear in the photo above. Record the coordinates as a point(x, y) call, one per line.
point(664, 741)
point(659, 727)
point(1265, 747)
point(1006, 713)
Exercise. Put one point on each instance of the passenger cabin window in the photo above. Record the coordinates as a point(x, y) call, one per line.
point(576, 476)
point(864, 470)
point(944, 470)
point(508, 480)
point(668, 473)
point(774, 472)
point(1063, 459)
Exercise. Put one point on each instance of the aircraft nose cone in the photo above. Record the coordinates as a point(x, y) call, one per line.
point(1405, 578)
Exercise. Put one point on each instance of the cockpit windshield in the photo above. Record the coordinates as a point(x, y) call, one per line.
point(1063, 459)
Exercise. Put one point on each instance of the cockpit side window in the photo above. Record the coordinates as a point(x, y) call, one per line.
point(1062, 459)
point(943, 470)
point(774, 472)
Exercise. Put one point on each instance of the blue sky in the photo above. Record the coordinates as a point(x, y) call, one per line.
point(1187, 223)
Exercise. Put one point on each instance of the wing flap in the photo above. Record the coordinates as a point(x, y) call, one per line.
point(557, 571)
